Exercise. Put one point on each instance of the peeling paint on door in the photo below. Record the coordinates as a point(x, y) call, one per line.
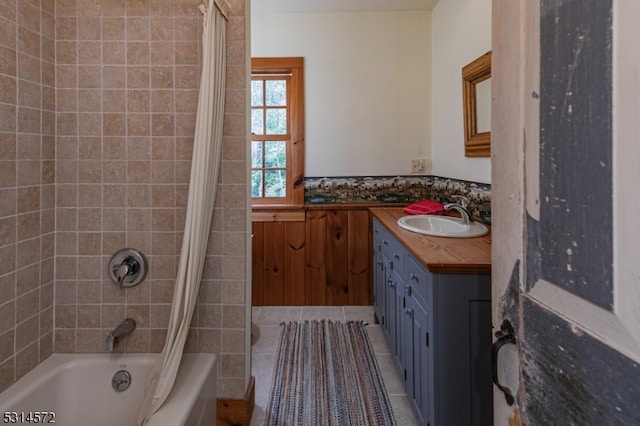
point(576, 211)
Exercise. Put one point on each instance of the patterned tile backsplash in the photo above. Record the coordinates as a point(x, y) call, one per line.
point(397, 189)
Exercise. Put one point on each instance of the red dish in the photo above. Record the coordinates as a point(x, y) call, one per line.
point(425, 207)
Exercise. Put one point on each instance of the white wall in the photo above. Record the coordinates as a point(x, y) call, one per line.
point(367, 86)
point(461, 31)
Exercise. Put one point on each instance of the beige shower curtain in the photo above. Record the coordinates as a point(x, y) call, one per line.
point(202, 193)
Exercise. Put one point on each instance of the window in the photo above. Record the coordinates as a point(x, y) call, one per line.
point(277, 132)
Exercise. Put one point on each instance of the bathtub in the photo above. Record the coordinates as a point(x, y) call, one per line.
point(77, 390)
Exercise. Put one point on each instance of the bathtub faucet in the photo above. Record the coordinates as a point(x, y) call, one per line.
point(124, 329)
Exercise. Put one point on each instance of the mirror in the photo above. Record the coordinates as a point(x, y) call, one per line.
point(476, 97)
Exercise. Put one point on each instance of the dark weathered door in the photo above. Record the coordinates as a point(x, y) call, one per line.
point(566, 210)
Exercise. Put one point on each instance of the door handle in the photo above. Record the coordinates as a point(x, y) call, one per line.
point(505, 335)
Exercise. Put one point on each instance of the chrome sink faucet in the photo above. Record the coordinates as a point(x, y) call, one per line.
point(125, 328)
point(460, 208)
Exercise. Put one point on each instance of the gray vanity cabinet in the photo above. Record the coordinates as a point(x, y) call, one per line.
point(415, 329)
point(417, 368)
point(389, 261)
point(438, 327)
point(379, 281)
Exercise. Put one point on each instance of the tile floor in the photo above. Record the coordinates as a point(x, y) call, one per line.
point(267, 319)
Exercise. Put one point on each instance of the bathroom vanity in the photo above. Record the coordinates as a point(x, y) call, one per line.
point(433, 302)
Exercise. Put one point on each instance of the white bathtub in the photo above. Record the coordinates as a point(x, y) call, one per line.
point(77, 389)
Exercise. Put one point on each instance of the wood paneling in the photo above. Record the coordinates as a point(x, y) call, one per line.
point(294, 260)
point(237, 412)
point(337, 255)
point(257, 264)
point(278, 263)
point(360, 258)
point(323, 260)
point(316, 274)
point(274, 267)
point(271, 215)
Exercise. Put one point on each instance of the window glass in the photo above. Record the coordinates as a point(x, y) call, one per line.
point(256, 183)
point(256, 93)
point(257, 122)
point(276, 92)
point(275, 183)
point(276, 121)
point(256, 154)
point(275, 154)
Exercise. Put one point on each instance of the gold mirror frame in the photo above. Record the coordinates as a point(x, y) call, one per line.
point(475, 144)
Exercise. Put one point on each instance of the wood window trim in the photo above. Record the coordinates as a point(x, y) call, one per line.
point(295, 150)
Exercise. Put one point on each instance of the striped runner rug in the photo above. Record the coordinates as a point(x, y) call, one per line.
point(326, 374)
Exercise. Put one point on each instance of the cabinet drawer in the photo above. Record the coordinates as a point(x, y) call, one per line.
point(396, 256)
point(419, 281)
point(392, 249)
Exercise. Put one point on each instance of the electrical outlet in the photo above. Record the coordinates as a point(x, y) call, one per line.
point(420, 165)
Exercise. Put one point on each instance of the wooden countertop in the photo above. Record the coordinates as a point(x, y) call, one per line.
point(438, 254)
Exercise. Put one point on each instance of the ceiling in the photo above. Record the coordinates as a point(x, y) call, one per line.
point(309, 6)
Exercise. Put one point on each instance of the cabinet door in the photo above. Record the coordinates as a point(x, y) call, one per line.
point(378, 288)
point(397, 344)
point(391, 323)
point(419, 282)
point(379, 294)
point(419, 373)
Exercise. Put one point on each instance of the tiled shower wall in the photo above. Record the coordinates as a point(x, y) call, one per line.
point(126, 86)
point(27, 190)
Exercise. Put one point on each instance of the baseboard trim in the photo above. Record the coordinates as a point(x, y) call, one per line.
point(237, 412)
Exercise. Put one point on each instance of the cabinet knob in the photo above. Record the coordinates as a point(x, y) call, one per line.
point(409, 289)
point(396, 256)
point(413, 277)
point(408, 312)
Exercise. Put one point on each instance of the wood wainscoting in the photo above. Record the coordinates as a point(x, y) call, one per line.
point(315, 256)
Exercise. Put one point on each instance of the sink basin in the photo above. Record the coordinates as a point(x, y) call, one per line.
point(442, 226)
